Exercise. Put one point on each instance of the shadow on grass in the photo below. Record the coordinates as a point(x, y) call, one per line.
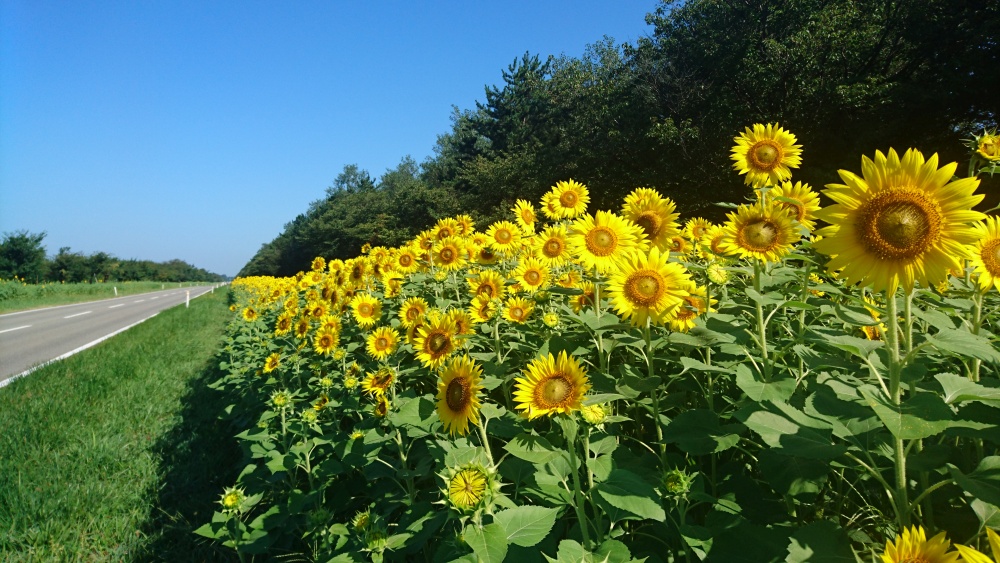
point(199, 457)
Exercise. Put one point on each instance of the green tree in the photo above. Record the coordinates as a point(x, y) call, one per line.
point(22, 255)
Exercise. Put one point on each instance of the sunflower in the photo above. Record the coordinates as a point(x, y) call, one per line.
point(598, 241)
point(678, 245)
point(284, 324)
point(974, 556)
point(485, 256)
point(382, 342)
point(799, 200)
point(482, 309)
point(468, 487)
point(325, 341)
point(317, 309)
point(357, 269)
point(524, 214)
point(330, 322)
point(913, 545)
point(647, 285)
point(466, 226)
point(392, 283)
point(695, 228)
point(446, 228)
point(695, 304)
point(411, 311)
point(435, 341)
point(449, 254)
point(550, 206)
point(765, 154)
point(378, 382)
point(487, 282)
point(717, 274)
point(988, 146)
point(272, 362)
point(249, 314)
point(570, 199)
point(504, 236)
point(986, 253)
point(655, 214)
point(712, 240)
point(585, 300)
point(382, 406)
point(762, 234)
point(302, 327)
point(518, 309)
point(550, 246)
point(532, 274)
point(404, 260)
point(875, 330)
point(551, 385)
point(366, 309)
point(458, 395)
point(904, 221)
point(318, 264)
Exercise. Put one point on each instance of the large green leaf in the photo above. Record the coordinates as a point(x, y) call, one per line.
point(489, 542)
point(526, 525)
point(532, 448)
point(757, 389)
point(983, 483)
point(627, 492)
point(920, 416)
point(794, 476)
point(698, 432)
point(795, 433)
point(820, 542)
point(964, 343)
point(958, 389)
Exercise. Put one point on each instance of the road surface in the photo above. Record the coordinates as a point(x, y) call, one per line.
point(31, 338)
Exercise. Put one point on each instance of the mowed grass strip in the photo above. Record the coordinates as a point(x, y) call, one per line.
point(96, 460)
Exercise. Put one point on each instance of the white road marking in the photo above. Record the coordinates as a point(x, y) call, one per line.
point(118, 305)
point(139, 301)
point(153, 298)
point(15, 328)
point(78, 314)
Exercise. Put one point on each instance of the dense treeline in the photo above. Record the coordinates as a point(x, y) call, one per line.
point(23, 256)
point(846, 76)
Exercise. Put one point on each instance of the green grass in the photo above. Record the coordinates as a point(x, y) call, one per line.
point(17, 296)
point(116, 454)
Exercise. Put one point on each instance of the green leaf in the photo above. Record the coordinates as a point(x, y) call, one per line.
point(958, 389)
point(627, 491)
point(526, 525)
point(698, 432)
point(922, 415)
point(983, 483)
point(794, 476)
point(532, 448)
point(820, 542)
point(489, 543)
point(759, 390)
point(860, 347)
point(964, 343)
point(691, 363)
point(794, 432)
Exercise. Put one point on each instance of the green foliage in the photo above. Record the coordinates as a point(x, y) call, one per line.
point(22, 256)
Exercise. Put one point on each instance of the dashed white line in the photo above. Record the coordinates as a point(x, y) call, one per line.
point(15, 328)
point(118, 305)
point(139, 301)
point(153, 298)
point(78, 314)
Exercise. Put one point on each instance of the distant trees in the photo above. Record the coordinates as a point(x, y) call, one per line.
point(22, 255)
point(846, 76)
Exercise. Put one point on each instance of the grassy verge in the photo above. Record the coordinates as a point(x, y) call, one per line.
point(115, 453)
point(15, 296)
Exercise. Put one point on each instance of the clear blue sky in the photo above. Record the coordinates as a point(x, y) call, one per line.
point(196, 130)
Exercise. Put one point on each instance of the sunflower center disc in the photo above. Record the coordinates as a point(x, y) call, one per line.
point(601, 241)
point(455, 394)
point(902, 225)
point(447, 255)
point(765, 155)
point(382, 343)
point(798, 208)
point(760, 235)
point(650, 223)
point(555, 390)
point(365, 310)
point(503, 236)
point(412, 314)
point(405, 260)
point(552, 248)
point(516, 313)
point(532, 277)
point(567, 199)
point(437, 343)
point(643, 288)
point(991, 257)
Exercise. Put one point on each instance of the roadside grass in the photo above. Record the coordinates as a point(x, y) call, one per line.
point(17, 296)
point(116, 454)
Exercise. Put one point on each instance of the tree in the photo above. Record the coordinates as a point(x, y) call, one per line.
point(22, 255)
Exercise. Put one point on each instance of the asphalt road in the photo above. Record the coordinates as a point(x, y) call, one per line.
point(31, 338)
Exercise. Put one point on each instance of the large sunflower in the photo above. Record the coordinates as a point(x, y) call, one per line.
point(695, 304)
point(550, 246)
point(525, 215)
point(912, 545)
point(458, 395)
point(799, 200)
point(366, 309)
point(449, 253)
point(902, 221)
point(570, 199)
point(765, 154)
point(551, 385)
point(405, 261)
point(971, 555)
point(518, 309)
point(648, 286)
point(379, 382)
point(532, 274)
point(411, 311)
point(325, 341)
point(468, 487)
point(435, 341)
point(655, 214)
point(760, 233)
point(986, 253)
point(504, 237)
point(487, 282)
point(382, 342)
point(598, 241)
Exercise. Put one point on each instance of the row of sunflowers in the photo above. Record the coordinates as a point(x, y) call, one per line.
point(622, 386)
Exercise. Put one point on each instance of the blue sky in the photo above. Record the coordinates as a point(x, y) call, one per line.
point(196, 130)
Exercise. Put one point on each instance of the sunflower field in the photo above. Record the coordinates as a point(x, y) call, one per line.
point(797, 384)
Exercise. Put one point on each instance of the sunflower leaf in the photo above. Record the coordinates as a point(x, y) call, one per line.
point(489, 542)
point(964, 343)
point(526, 525)
point(983, 483)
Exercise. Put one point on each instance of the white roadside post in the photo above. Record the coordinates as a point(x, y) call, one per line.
point(116, 291)
point(187, 299)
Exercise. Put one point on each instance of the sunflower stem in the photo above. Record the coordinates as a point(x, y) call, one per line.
point(895, 390)
point(977, 321)
point(486, 440)
point(651, 371)
point(597, 309)
point(598, 521)
point(581, 514)
point(761, 327)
